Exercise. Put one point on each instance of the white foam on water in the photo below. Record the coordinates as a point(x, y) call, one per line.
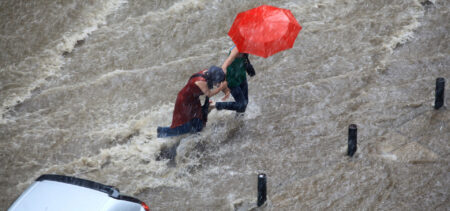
point(135, 158)
point(389, 156)
point(94, 21)
point(97, 117)
point(406, 33)
point(50, 60)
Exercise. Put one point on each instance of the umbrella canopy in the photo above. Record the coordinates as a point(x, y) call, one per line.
point(264, 30)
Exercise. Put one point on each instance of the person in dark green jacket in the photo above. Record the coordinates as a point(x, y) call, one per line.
point(236, 78)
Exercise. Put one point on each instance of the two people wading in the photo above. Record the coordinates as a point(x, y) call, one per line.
point(189, 116)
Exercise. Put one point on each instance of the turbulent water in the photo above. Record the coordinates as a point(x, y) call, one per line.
point(85, 83)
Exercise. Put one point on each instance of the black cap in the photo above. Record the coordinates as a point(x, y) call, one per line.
point(216, 74)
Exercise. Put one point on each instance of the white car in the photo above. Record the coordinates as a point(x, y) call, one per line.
point(64, 193)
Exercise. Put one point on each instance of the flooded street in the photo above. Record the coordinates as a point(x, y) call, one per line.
point(85, 84)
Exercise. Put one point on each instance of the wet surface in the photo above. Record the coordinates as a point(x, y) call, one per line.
point(84, 84)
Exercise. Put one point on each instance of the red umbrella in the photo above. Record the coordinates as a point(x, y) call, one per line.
point(264, 30)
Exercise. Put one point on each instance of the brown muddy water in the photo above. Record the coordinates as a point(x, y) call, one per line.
point(84, 84)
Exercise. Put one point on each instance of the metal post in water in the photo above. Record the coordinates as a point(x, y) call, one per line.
point(440, 87)
point(262, 189)
point(352, 140)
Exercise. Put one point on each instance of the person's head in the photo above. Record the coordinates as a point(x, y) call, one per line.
point(214, 75)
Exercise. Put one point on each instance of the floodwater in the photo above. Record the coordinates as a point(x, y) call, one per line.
point(85, 83)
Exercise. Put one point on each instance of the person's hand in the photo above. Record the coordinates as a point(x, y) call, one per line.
point(212, 105)
point(227, 94)
point(223, 85)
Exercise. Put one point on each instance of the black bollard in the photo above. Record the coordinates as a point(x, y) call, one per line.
point(262, 189)
point(352, 140)
point(440, 87)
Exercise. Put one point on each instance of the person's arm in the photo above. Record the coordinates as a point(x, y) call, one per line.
point(225, 91)
point(208, 92)
point(234, 53)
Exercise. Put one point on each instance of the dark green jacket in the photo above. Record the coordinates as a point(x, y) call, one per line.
point(236, 72)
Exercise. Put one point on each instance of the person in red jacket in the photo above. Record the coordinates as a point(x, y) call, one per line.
point(189, 115)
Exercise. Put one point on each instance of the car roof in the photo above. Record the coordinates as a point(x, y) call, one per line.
point(110, 190)
point(52, 195)
point(57, 192)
